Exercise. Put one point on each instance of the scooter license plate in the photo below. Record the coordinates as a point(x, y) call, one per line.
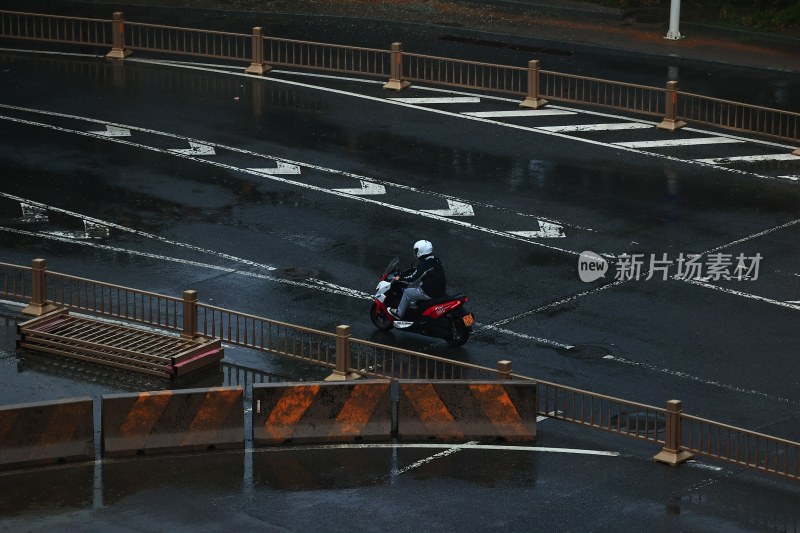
point(468, 320)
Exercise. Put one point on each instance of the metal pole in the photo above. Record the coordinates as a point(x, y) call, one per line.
point(342, 356)
point(38, 305)
point(504, 370)
point(671, 108)
point(257, 65)
point(532, 100)
point(672, 454)
point(189, 315)
point(396, 69)
point(674, 20)
point(118, 50)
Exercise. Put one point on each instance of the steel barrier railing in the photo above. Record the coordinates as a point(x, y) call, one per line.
point(258, 333)
point(535, 84)
point(17, 284)
point(639, 99)
point(41, 27)
point(465, 74)
point(371, 359)
point(737, 116)
point(187, 41)
point(114, 301)
point(329, 57)
point(740, 447)
point(681, 435)
point(614, 415)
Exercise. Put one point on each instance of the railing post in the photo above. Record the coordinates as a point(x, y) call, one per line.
point(504, 370)
point(38, 304)
point(672, 454)
point(118, 50)
point(396, 69)
point(671, 108)
point(257, 65)
point(342, 356)
point(533, 101)
point(189, 315)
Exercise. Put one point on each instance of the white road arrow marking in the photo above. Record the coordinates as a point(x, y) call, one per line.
point(748, 159)
point(367, 188)
point(679, 142)
point(454, 209)
point(547, 230)
point(33, 213)
point(113, 131)
point(443, 100)
point(196, 149)
point(520, 113)
point(281, 168)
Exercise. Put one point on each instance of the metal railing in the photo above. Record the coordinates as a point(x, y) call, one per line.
point(639, 99)
point(271, 336)
point(114, 301)
point(465, 74)
point(681, 435)
point(535, 84)
point(326, 57)
point(17, 284)
point(187, 41)
point(52, 28)
point(740, 447)
point(737, 116)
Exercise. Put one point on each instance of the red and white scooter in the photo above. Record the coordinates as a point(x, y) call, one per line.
point(445, 317)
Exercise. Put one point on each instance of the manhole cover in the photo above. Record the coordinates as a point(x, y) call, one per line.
point(586, 351)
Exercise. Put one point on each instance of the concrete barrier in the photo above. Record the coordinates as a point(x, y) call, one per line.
point(170, 421)
point(46, 433)
point(321, 412)
point(466, 410)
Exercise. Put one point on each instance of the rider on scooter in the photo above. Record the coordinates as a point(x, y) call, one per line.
point(430, 274)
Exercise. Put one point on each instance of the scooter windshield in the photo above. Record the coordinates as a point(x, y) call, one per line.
point(393, 266)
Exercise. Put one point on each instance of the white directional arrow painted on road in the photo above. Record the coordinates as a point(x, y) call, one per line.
point(281, 168)
point(32, 213)
point(454, 209)
point(367, 188)
point(196, 149)
point(547, 230)
point(113, 131)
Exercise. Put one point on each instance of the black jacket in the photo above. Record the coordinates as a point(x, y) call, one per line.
point(431, 275)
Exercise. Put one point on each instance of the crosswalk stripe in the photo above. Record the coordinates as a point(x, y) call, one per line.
point(749, 158)
point(598, 127)
point(448, 100)
point(678, 142)
point(520, 113)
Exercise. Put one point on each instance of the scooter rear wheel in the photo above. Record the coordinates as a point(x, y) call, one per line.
point(459, 333)
point(380, 319)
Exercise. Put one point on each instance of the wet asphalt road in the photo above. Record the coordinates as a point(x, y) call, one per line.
point(726, 348)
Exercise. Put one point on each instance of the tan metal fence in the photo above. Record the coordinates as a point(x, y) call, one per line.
point(638, 99)
point(465, 74)
point(536, 85)
point(741, 447)
point(187, 41)
point(52, 28)
point(330, 57)
point(737, 116)
point(680, 435)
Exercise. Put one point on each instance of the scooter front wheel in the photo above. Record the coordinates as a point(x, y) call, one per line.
point(380, 318)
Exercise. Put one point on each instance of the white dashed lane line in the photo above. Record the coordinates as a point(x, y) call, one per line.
point(692, 141)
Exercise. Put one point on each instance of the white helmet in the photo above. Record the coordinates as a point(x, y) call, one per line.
point(422, 248)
